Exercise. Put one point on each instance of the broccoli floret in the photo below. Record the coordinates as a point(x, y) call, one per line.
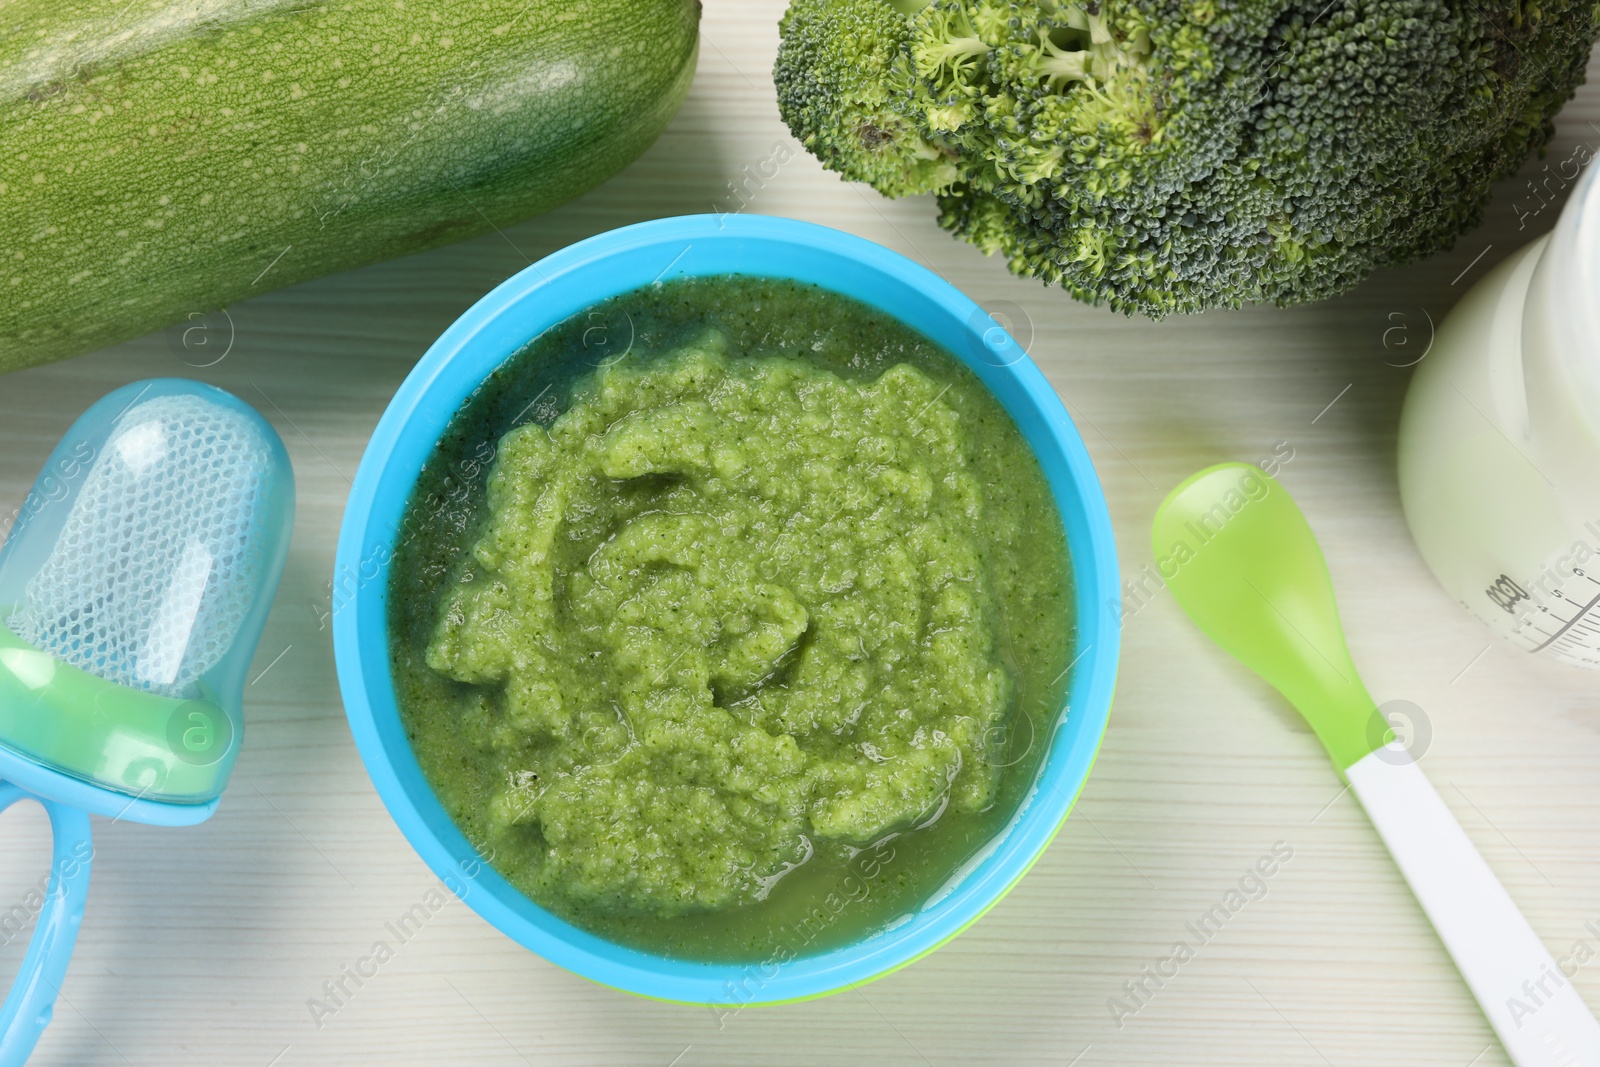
point(1178, 155)
point(844, 68)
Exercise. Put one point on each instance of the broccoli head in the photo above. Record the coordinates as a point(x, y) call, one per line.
point(1178, 155)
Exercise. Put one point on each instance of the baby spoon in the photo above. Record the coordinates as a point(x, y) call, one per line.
point(133, 590)
point(1242, 561)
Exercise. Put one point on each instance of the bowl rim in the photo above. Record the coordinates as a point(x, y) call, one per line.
point(431, 395)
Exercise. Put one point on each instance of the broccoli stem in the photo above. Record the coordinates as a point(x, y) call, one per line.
point(1060, 66)
point(950, 46)
point(956, 48)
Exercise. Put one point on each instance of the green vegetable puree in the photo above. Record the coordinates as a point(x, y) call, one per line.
point(745, 631)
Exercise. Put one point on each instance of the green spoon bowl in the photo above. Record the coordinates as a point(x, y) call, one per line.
point(1240, 558)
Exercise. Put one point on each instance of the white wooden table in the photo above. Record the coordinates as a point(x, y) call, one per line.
point(203, 946)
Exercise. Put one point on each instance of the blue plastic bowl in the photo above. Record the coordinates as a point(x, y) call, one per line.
point(565, 284)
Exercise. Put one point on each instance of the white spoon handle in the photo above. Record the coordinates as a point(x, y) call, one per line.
point(1538, 1015)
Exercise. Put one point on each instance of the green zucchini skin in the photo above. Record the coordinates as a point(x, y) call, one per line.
point(163, 158)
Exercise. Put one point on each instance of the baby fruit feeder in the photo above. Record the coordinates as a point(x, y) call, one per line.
point(133, 591)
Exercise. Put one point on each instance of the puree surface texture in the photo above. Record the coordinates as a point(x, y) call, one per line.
point(731, 616)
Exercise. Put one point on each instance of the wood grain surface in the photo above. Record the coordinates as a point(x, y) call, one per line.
point(204, 945)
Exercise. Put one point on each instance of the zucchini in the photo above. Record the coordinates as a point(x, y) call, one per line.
point(163, 158)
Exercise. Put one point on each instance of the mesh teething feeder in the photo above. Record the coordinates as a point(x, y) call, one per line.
point(133, 591)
